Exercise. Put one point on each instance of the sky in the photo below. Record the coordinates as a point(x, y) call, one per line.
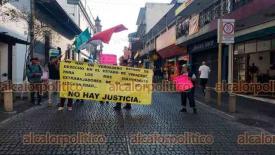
point(114, 12)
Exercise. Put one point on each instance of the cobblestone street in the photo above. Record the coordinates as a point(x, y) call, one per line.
point(163, 117)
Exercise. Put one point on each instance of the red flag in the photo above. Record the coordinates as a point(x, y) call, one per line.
point(105, 36)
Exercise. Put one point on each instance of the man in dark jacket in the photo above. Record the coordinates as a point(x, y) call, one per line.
point(53, 69)
point(34, 74)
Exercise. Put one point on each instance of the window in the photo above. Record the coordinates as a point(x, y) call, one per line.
point(264, 45)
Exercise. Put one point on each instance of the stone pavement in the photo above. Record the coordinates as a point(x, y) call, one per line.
point(162, 117)
point(248, 111)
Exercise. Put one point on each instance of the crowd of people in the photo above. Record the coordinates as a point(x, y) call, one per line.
point(35, 73)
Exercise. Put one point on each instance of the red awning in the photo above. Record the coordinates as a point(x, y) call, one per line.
point(172, 51)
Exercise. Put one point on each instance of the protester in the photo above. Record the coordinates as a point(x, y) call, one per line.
point(62, 100)
point(204, 75)
point(128, 106)
point(34, 74)
point(190, 94)
point(53, 69)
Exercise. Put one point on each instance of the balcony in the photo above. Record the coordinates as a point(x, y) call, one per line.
point(216, 10)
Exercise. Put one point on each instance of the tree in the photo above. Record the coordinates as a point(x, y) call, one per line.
point(36, 29)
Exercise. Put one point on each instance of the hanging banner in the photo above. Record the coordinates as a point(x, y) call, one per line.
point(81, 80)
point(194, 24)
point(108, 59)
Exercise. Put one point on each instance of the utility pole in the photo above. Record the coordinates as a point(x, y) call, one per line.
point(31, 26)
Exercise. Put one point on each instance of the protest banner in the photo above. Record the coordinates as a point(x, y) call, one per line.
point(183, 83)
point(80, 80)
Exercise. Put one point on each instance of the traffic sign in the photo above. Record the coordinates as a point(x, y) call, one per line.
point(226, 31)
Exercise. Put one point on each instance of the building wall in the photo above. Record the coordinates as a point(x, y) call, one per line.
point(72, 10)
point(77, 14)
point(3, 61)
point(154, 12)
point(18, 29)
point(59, 37)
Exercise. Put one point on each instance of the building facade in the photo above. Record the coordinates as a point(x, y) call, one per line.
point(250, 59)
point(56, 25)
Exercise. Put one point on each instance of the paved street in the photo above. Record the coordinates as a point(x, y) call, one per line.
point(162, 117)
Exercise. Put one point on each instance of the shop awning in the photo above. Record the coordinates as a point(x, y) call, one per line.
point(172, 51)
point(5, 38)
point(257, 34)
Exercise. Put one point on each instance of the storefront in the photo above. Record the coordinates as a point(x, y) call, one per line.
point(172, 55)
point(207, 51)
point(254, 60)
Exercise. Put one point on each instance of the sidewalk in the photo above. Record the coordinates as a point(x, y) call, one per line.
point(249, 110)
point(20, 105)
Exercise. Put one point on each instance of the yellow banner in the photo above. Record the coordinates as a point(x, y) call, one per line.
point(81, 80)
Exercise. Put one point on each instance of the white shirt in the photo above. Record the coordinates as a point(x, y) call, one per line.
point(204, 70)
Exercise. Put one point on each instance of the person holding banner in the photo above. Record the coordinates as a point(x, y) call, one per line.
point(53, 69)
point(123, 62)
point(190, 93)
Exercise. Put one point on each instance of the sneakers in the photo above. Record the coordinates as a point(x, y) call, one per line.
point(60, 108)
point(70, 108)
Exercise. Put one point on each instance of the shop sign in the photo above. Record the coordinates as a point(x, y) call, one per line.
point(203, 46)
point(226, 31)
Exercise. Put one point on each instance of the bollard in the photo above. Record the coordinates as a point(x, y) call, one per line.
point(8, 101)
point(232, 103)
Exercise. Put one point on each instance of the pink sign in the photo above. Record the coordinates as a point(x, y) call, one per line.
point(108, 59)
point(183, 83)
